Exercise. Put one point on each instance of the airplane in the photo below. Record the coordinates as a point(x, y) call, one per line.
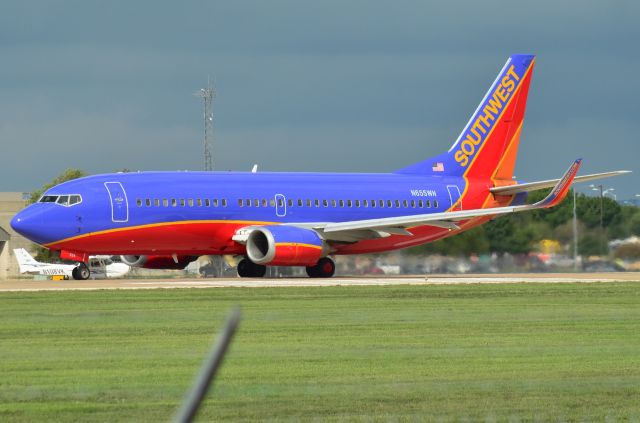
point(167, 219)
point(100, 267)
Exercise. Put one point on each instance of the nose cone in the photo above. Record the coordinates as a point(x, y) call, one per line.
point(30, 224)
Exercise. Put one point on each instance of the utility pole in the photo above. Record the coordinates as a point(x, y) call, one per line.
point(600, 188)
point(207, 94)
point(575, 233)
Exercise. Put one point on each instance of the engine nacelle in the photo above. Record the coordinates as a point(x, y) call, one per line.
point(279, 245)
point(157, 262)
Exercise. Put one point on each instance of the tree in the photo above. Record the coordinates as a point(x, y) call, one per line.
point(65, 176)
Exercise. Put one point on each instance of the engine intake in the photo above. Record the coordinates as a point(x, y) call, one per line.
point(279, 245)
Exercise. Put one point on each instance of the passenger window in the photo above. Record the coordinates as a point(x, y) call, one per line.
point(349, 203)
point(357, 203)
point(389, 203)
point(308, 202)
point(427, 204)
point(333, 203)
point(435, 203)
point(247, 202)
point(264, 202)
point(299, 202)
point(148, 202)
point(156, 202)
point(365, 203)
point(341, 203)
point(374, 203)
point(290, 202)
point(165, 202)
point(381, 202)
point(182, 202)
point(224, 202)
point(256, 202)
point(280, 202)
point(413, 204)
point(325, 203)
point(138, 202)
point(215, 202)
point(272, 202)
point(397, 204)
point(405, 204)
point(190, 202)
point(174, 202)
point(207, 202)
point(317, 203)
point(420, 203)
point(240, 202)
point(199, 202)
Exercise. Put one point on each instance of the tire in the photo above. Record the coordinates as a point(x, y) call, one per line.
point(81, 272)
point(325, 268)
point(248, 269)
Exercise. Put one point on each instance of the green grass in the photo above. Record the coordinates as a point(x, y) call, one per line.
point(526, 352)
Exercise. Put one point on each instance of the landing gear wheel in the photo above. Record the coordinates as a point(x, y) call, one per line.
point(325, 268)
point(81, 272)
point(248, 269)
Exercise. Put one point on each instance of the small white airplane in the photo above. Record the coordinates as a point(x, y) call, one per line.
point(99, 267)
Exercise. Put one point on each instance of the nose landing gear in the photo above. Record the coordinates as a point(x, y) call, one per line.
point(81, 272)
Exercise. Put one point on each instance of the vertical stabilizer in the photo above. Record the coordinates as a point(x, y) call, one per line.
point(488, 144)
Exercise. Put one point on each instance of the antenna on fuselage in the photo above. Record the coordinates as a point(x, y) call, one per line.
point(207, 94)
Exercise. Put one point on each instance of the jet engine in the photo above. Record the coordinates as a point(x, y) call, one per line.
point(279, 245)
point(158, 262)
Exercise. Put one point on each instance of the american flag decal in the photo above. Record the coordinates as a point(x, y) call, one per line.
point(438, 167)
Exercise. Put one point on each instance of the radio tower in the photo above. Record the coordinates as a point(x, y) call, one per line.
point(207, 94)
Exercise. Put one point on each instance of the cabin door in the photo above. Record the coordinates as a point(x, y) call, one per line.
point(454, 196)
point(281, 205)
point(119, 203)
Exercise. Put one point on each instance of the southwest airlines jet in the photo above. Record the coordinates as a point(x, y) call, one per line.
point(167, 219)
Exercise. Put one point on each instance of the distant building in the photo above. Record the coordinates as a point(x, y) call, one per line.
point(10, 204)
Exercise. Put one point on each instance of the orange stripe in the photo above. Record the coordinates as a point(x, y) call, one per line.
point(297, 244)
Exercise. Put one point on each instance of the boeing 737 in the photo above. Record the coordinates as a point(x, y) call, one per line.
point(167, 219)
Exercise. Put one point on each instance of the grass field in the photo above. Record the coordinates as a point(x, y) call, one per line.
point(524, 352)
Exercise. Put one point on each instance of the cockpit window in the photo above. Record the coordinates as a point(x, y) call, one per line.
point(49, 199)
point(63, 200)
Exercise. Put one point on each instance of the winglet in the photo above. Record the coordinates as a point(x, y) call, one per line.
point(561, 189)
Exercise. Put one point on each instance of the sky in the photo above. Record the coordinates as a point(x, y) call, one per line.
point(347, 86)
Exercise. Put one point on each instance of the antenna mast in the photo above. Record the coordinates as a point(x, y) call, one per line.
point(207, 94)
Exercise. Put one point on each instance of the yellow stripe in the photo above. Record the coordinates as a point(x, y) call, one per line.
point(152, 225)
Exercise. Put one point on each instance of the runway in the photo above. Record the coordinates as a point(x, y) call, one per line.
point(48, 285)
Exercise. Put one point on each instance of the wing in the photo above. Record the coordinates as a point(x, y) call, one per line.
point(374, 228)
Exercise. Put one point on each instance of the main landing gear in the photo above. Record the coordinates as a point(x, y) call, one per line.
point(325, 268)
point(248, 269)
point(81, 272)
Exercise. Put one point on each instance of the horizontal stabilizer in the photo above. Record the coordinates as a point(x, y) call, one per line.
point(534, 186)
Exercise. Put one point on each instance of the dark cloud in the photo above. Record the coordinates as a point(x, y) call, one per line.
point(339, 86)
